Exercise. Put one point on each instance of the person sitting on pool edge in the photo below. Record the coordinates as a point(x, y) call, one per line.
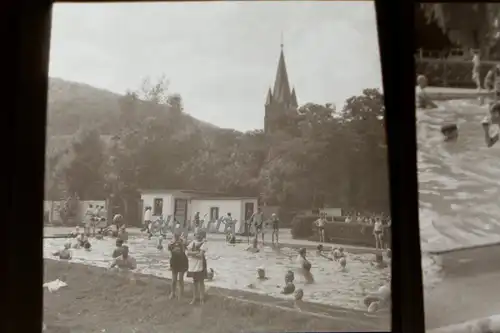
point(423, 100)
point(492, 119)
point(124, 261)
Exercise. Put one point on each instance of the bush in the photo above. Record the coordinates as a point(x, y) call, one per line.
point(302, 226)
point(449, 73)
point(337, 232)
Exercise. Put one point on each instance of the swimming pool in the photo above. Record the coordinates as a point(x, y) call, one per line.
point(459, 182)
point(459, 192)
point(235, 268)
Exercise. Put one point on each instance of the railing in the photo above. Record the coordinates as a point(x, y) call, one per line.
point(451, 68)
point(443, 54)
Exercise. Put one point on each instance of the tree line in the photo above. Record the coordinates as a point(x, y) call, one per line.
point(322, 156)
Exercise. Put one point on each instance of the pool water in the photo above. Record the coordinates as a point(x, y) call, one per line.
point(459, 182)
point(236, 268)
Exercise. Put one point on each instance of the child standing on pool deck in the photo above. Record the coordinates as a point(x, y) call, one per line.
point(197, 266)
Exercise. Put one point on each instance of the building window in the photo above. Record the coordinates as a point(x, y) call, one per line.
point(158, 206)
point(214, 213)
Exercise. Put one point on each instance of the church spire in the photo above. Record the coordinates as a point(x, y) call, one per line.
point(281, 91)
point(293, 99)
point(269, 98)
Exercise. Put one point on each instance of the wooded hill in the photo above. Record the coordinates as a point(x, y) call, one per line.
point(101, 143)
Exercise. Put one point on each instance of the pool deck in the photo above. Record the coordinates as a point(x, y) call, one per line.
point(285, 237)
point(446, 93)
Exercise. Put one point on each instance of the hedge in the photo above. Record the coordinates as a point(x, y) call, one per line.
point(450, 73)
point(338, 232)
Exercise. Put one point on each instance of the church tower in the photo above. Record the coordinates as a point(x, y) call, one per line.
point(280, 101)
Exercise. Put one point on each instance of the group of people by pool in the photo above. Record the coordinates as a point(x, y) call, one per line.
point(377, 221)
point(491, 121)
point(188, 257)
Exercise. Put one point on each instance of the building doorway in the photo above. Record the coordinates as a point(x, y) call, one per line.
point(180, 211)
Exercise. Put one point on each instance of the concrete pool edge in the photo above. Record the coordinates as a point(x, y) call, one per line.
point(437, 252)
point(446, 93)
point(486, 324)
point(330, 312)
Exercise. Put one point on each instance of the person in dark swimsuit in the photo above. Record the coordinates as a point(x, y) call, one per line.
point(178, 264)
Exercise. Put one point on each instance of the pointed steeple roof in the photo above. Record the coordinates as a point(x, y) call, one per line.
point(293, 99)
point(281, 91)
point(269, 98)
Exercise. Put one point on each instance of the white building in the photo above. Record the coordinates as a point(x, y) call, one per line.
point(184, 204)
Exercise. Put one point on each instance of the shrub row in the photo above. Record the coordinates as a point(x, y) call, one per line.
point(457, 74)
point(337, 232)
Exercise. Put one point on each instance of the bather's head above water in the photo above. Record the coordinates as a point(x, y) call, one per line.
point(422, 81)
point(495, 113)
point(450, 132)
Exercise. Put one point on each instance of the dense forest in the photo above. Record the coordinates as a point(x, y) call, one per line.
point(101, 143)
point(470, 25)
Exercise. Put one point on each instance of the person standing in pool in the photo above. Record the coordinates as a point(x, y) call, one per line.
point(492, 82)
point(304, 266)
point(147, 219)
point(125, 261)
point(476, 66)
point(178, 264)
point(492, 119)
point(276, 227)
point(197, 266)
point(258, 222)
point(422, 99)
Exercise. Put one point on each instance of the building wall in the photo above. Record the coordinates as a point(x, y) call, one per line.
point(233, 206)
point(168, 203)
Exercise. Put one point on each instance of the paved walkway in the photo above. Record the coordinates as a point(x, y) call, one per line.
point(285, 238)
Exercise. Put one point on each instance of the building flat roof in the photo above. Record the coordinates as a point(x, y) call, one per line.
point(199, 194)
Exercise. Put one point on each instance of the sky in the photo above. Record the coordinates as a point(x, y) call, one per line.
point(221, 57)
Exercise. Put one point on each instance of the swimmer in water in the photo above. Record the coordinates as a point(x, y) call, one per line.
point(304, 265)
point(178, 264)
point(118, 249)
point(261, 274)
point(492, 82)
point(124, 261)
point(450, 132)
point(65, 253)
point(253, 248)
point(492, 119)
point(423, 100)
point(379, 261)
point(123, 233)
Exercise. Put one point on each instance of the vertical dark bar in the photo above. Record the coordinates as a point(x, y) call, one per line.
point(25, 238)
point(396, 40)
